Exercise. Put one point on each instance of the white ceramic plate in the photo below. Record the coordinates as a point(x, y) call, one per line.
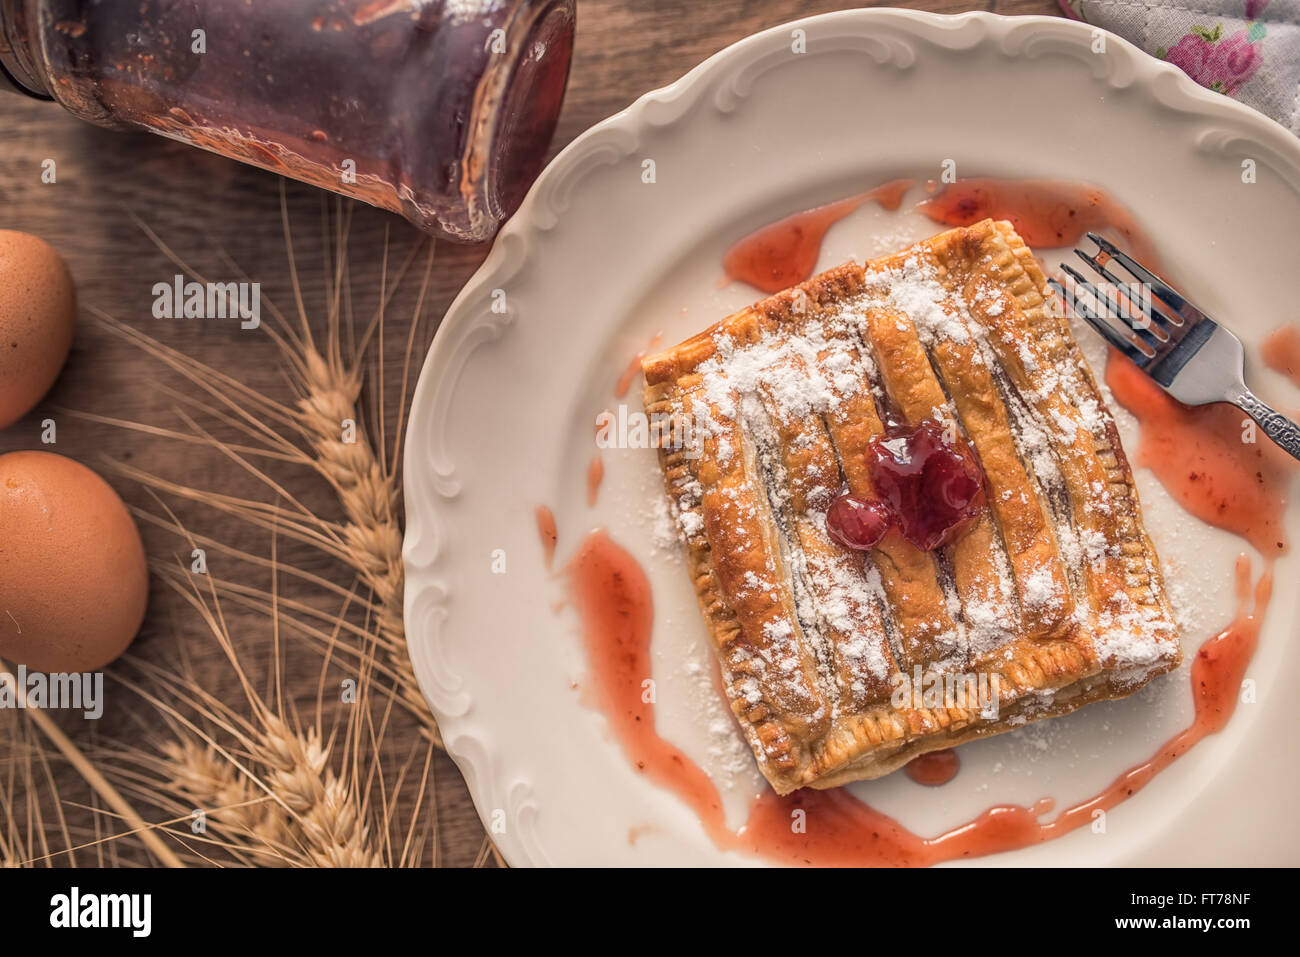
point(597, 261)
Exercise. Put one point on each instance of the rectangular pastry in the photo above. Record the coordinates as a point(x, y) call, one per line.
point(906, 512)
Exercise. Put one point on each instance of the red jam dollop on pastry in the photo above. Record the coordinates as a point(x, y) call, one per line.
point(930, 489)
point(857, 522)
point(933, 487)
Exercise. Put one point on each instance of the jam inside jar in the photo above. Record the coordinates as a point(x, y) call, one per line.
point(440, 110)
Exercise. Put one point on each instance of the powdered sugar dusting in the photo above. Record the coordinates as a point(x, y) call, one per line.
point(802, 375)
point(913, 288)
point(829, 616)
point(851, 597)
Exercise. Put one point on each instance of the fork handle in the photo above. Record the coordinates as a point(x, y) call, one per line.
point(1275, 425)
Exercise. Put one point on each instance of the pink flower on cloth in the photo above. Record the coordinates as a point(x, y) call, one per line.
point(1233, 61)
point(1190, 55)
point(1212, 60)
point(1225, 46)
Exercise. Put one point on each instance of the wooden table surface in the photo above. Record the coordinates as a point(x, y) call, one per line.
point(200, 205)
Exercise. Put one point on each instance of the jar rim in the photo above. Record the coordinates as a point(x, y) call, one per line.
point(493, 152)
point(13, 76)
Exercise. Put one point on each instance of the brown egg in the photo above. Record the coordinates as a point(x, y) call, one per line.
point(73, 579)
point(38, 305)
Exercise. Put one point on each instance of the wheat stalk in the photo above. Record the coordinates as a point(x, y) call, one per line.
point(275, 788)
point(271, 787)
point(94, 777)
point(198, 773)
point(325, 418)
point(333, 830)
point(373, 535)
point(366, 486)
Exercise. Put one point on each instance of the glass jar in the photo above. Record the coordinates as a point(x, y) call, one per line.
point(441, 110)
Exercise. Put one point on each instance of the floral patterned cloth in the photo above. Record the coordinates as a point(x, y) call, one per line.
point(1246, 49)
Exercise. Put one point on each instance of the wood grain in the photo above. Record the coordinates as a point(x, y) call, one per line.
point(202, 206)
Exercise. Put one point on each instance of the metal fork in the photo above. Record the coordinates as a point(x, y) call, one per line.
point(1191, 356)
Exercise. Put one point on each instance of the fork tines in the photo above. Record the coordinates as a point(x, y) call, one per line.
point(1181, 311)
point(1084, 309)
point(1157, 319)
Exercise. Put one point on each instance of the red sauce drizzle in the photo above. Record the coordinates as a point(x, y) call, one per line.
point(1198, 454)
point(633, 368)
point(785, 252)
point(1281, 352)
point(595, 473)
point(1046, 212)
point(550, 536)
point(933, 768)
point(612, 596)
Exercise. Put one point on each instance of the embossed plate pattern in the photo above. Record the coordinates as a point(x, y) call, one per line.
point(598, 260)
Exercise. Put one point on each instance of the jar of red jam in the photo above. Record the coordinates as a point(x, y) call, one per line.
point(441, 110)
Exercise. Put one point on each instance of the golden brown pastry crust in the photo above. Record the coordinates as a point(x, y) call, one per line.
point(1054, 596)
